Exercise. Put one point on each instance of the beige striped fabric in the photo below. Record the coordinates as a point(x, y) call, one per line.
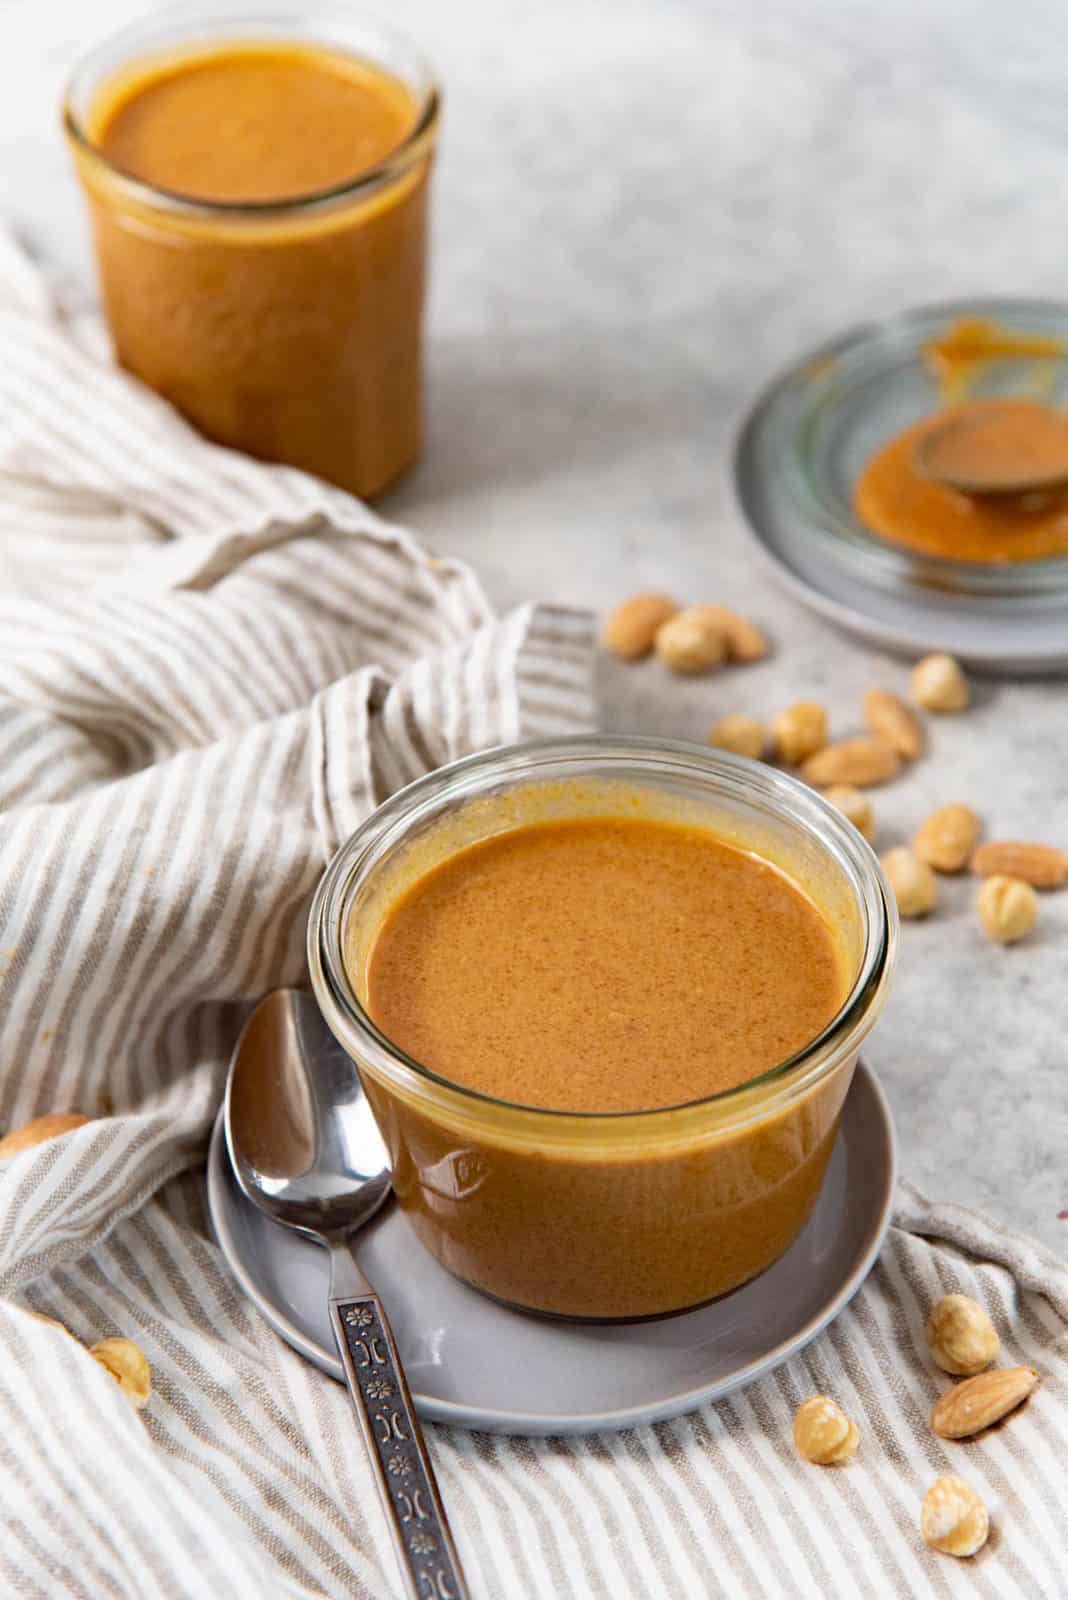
point(210, 671)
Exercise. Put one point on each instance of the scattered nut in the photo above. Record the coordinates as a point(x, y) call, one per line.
point(914, 884)
point(743, 638)
point(978, 1402)
point(938, 684)
point(744, 735)
point(960, 1335)
point(889, 718)
point(858, 762)
point(856, 807)
point(947, 838)
point(39, 1130)
point(629, 630)
point(686, 643)
point(1008, 908)
point(822, 1431)
point(799, 731)
point(1041, 865)
point(129, 1367)
point(39, 1316)
point(953, 1519)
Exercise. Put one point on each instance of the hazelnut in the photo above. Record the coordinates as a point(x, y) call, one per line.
point(128, 1365)
point(914, 884)
point(744, 735)
point(1008, 908)
point(822, 1431)
point(953, 1519)
point(939, 684)
point(854, 806)
point(799, 731)
point(743, 638)
point(947, 838)
point(688, 642)
point(960, 1335)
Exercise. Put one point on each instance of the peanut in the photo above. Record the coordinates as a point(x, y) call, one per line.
point(889, 718)
point(686, 643)
point(953, 1518)
point(858, 762)
point(939, 684)
point(947, 838)
point(629, 630)
point(914, 884)
point(744, 735)
point(960, 1335)
point(799, 731)
point(1008, 908)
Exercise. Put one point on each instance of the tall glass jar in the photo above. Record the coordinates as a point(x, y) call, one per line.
point(605, 1215)
point(287, 328)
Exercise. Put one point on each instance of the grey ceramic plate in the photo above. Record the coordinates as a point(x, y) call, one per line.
point(798, 455)
point(475, 1364)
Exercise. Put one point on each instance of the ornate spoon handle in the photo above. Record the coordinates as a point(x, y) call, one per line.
point(398, 1452)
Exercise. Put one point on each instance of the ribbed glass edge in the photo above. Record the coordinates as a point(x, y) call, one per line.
point(195, 25)
point(714, 1116)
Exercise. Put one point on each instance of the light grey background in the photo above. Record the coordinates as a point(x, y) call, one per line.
point(644, 208)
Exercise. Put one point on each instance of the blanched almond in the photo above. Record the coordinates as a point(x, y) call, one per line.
point(629, 630)
point(889, 718)
point(858, 762)
point(947, 838)
point(978, 1402)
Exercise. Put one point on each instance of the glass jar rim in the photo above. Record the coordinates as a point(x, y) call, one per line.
point(360, 854)
point(283, 20)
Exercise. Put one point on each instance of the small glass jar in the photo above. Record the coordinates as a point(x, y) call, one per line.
point(289, 329)
point(620, 1215)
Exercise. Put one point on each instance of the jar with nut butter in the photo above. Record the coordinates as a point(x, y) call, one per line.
point(587, 1203)
point(257, 187)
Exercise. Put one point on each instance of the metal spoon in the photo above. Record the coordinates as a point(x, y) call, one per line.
point(305, 1150)
point(997, 446)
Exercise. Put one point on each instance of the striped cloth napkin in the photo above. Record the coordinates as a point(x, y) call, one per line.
point(210, 671)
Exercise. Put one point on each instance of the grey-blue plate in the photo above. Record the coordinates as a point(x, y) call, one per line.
point(475, 1364)
point(801, 449)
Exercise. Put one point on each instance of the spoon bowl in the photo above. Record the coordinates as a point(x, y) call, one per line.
point(1000, 445)
point(302, 1140)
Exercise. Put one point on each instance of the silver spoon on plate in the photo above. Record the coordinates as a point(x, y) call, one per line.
point(305, 1150)
point(997, 446)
